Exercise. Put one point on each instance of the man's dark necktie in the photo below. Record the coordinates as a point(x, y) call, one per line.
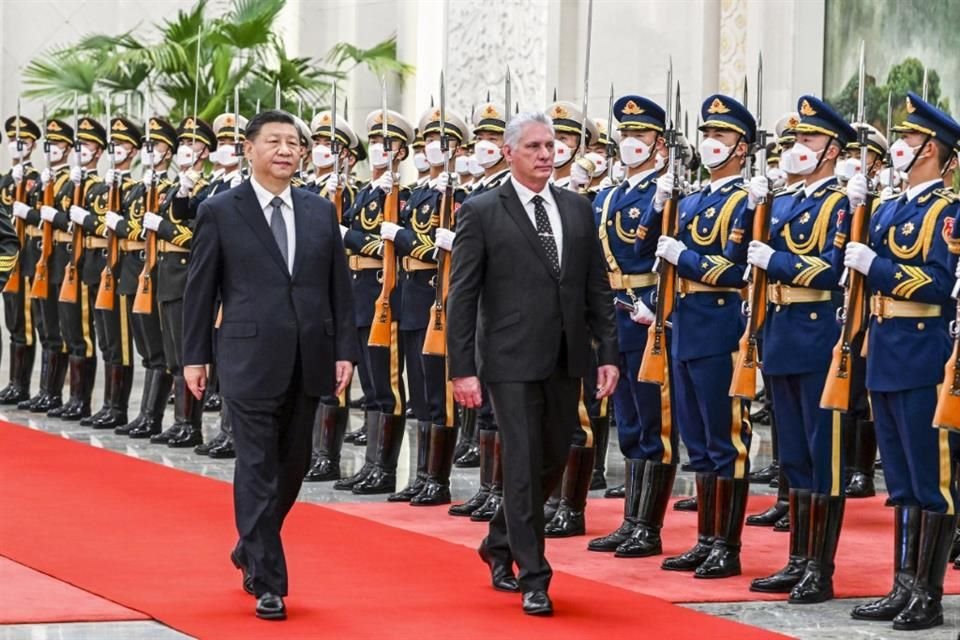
point(545, 231)
point(279, 229)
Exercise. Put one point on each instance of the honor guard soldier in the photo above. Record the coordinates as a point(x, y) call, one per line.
point(798, 337)
point(300, 178)
point(568, 124)
point(910, 273)
point(19, 185)
point(325, 181)
point(113, 323)
point(173, 226)
point(226, 175)
point(77, 299)
point(706, 328)
point(381, 374)
point(420, 160)
point(489, 124)
point(58, 141)
point(645, 427)
point(147, 334)
point(462, 166)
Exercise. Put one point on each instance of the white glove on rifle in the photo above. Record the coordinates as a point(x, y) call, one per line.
point(857, 190)
point(664, 191)
point(642, 314)
point(859, 257)
point(76, 175)
point(384, 182)
point(579, 176)
point(17, 172)
point(112, 219)
point(109, 176)
point(445, 238)
point(78, 214)
point(147, 177)
point(759, 254)
point(670, 249)
point(47, 213)
point(757, 191)
point(441, 182)
point(20, 210)
point(46, 176)
point(152, 221)
point(188, 180)
point(389, 230)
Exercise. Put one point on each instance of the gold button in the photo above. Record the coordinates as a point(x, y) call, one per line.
point(813, 316)
point(683, 295)
point(879, 319)
point(721, 302)
point(689, 227)
point(183, 261)
point(609, 223)
point(802, 236)
point(921, 326)
point(778, 307)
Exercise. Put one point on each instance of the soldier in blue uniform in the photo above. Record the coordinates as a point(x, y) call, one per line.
point(909, 273)
point(798, 338)
point(707, 325)
point(324, 181)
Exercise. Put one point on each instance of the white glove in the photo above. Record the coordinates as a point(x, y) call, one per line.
point(758, 190)
point(343, 231)
point(46, 176)
point(147, 177)
point(78, 214)
point(110, 176)
point(331, 181)
point(151, 221)
point(445, 238)
point(48, 213)
point(188, 180)
point(759, 254)
point(857, 190)
point(20, 210)
point(236, 180)
point(670, 249)
point(389, 230)
point(76, 175)
point(886, 192)
point(579, 176)
point(112, 219)
point(859, 257)
point(642, 314)
point(17, 172)
point(664, 191)
point(606, 183)
point(384, 182)
point(441, 182)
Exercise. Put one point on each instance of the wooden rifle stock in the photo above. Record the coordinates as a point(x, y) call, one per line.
point(947, 414)
point(435, 340)
point(108, 279)
point(380, 333)
point(70, 289)
point(143, 301)
point(853, 316)
point(13, 282)
point(41, 276)
point(338, 202)
point(653, 367)
point(744, 382)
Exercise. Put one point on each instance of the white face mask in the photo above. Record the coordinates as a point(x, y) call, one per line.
point(186, 156)
point(847, 168)
point(488, 153)
point(599, 163)
point(378, 155)
point(435, 155)
point(801, 159)
point(15, 153)
point(475, 169)
point(660, 162)
point(889, 178)
point(56, 153)
point(120, 154)
point(150, 159)
point(634, 152)
point(619, 171)
point(227, 155)
point(82, 158)
point(322, 156)
point(420, 162)
point(714, 153)
point(461, 164)
point(561, 154)
point(902, 154)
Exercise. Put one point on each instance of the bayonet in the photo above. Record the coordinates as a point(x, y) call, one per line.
point(507, 90)
point(610, 145)
point(334, 143)
point(444, 142)
point(925, 87)
point(277, 96)
point(46, 139)
point(76, 126)
point(586, 80)
point(236, 116)
point(196, 85)
point(387, 144)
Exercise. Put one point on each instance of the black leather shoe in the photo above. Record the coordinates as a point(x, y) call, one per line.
point(770, 517)
point(164, 437)
point(223, 451)
point(610, 542)
point(247, 579)
point(686, 504)
point(270, 607)
point(537, 603)
point(689, 560)
point(566, 523)
point(475, 502)
point(766, 474)
point(501, 575)
point(189, 436)
point(782, 581)
point(489, 508)
point(618, 491)
point(860, 486)
point(204, 448)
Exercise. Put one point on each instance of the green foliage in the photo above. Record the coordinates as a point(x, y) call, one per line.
point(237, 48)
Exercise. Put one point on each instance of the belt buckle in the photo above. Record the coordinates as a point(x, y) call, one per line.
point(616, 280)
point(880, 306)
point(683, 286)
point(777, 290)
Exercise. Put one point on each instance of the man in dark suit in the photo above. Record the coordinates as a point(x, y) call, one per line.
point(528, 294)
point(275, 257)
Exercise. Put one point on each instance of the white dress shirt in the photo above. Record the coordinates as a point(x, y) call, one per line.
point(810, 189)
point(553, 213)
point(636, 179)
point(913, 192)
point(265, 198)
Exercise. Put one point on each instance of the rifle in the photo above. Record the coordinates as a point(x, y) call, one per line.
point(41, 278)
point(106, 293)
point(335, 150)
point(435, 341)
point(744, 382)
point(853, 315)
point(19, 195)
point(70, 289)
point(381, 328)
point(653, 367)
point(143, 302)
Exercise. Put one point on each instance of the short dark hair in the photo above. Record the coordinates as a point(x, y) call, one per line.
point(270, 115)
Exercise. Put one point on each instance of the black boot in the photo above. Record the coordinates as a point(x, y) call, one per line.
point(657, 485)
point(21, 370)
point(203, 448)
point(924, 609)
point(59, 363)
point(360, 436)
point(724, 558)
point(552, 502)
point(42, 394)
point(826, 518)
point(383, 476)
point(785, 579)
point(436, 488)
point(423, 459)
point(328, 432)
point(12, 385)
point(706, 525)
point(107, 389)
point(486, 439)
point(224, 450)
point(569, 519)
point(120, 380)
point(906, 548)
point(779, 509)
point(489, 508)
point(152, 405)
point(766, 474)
point(617, 491)
point(74, 365)
point(191, 415)
point(601, 439)
point(861, 483)
point(686, 504)
point(212, 401)
point(634, 479)
point(467, 453)
point(81, 396)
point(371, 425)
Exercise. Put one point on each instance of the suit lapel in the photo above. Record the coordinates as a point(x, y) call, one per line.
point(300, 205)
point(252, 214)
point(511, 202)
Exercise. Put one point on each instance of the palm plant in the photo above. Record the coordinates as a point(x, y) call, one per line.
point(237, 48)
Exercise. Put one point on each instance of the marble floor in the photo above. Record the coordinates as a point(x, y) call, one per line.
point(819, 622)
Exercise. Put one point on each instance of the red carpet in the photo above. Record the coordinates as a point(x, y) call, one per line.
point(864, 560)
point(156, 540)
point(30, 596)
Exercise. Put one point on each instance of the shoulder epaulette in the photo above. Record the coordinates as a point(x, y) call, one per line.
point(947, 194)
point(838, 188)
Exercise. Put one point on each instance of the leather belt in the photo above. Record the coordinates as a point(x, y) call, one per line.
point(95, 243)
point(693, 286)
point(132, 245)
point(33, 232)
point(785, 294)
point(412, 264)
point(168, 247)
point(362, 263)
point(622, 281)
point(62, 236)
point(886, 307)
